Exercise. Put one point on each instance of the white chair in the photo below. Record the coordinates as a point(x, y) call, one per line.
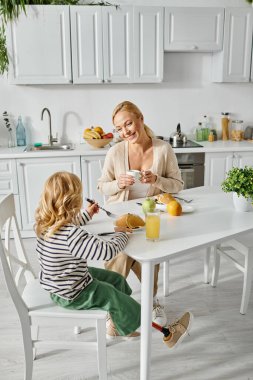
point(34, 305)
point(244, 246)
point(166, 266)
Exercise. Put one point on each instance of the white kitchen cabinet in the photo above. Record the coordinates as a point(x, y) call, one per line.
point(91, 172)
point(102, 44)
point(32, 174)
point(148, 44)
point(218, 164)
point(39, 46)
point(9, 183)
point(86, 44)
point(193, 29)
point(233, 64)
point(251, 75)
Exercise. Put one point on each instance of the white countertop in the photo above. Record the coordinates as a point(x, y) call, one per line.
point(84, 150)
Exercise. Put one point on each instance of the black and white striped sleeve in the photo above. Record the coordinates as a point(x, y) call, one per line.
point(84, 217)
point(90, 247)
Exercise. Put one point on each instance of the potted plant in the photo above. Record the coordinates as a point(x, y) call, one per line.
point(240, 182)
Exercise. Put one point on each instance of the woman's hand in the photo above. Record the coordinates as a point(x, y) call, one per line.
point(148, 177)
point(92, 209)
point(125, 180)
point(122, 229)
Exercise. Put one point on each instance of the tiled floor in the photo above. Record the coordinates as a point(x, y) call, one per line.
point(220, 346)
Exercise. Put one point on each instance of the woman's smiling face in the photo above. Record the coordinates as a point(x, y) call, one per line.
point(129, 126)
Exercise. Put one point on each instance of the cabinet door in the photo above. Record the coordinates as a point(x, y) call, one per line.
point(91, 172)
point(86, 38)
point(193, 29)
point(216, 167)
point(251, 75)
point(233, 63)
point(118, 44)
point(32, 174)
point(242, 159)
point(39, 46)
point(8, 177)
point(148, 44)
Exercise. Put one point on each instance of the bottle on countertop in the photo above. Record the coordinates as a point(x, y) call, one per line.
point(199, 132)
point(211, 136)
point(20, 133)
point(225, 125)
point(206, 127)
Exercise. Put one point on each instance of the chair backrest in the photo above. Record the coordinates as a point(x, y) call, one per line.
point(16, 267)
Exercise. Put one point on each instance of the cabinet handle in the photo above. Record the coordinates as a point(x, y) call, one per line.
point(195, 47)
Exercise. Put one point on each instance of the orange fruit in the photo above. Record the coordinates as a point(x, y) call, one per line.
point(99, 130)
point(174, 208)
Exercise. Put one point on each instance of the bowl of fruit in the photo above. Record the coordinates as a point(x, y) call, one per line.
point(96, 137)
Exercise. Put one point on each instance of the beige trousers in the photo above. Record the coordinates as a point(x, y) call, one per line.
point(122, 265)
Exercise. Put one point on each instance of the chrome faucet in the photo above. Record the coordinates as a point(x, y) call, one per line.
point(51, 139)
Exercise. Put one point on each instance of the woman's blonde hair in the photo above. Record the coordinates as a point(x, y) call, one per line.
point(60, 203)
point(131, 108)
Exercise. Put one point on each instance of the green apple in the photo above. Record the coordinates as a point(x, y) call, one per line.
point(148, 205)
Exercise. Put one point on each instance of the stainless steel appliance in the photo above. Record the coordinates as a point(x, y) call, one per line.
point(192, 167)
point(178, 137)
point(182, 144)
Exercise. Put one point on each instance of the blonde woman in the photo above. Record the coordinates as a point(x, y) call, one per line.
point(64, 246)
point(139, 150)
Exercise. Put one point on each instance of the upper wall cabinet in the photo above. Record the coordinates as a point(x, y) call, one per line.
point(233, 63)
point(39, 46)
point(104, 45)
point(148, 41)
point(193, 29)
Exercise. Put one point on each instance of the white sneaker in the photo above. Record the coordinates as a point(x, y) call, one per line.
point(158, 315)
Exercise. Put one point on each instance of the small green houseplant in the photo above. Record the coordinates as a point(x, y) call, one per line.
point(239, 181)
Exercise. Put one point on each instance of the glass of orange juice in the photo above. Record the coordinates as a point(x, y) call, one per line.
point(153, 225)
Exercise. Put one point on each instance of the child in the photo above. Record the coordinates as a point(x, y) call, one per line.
point(64, 248)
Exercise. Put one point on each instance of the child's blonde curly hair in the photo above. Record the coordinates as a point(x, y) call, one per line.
point(60, 203)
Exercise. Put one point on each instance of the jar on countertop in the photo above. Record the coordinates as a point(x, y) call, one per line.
point(225, 125)
point(237, 130)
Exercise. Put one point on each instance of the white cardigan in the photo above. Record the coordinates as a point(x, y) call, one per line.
point(165, 166)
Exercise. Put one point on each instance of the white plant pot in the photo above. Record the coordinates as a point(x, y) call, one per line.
point(242, 204)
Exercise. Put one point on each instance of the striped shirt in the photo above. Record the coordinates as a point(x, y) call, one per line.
point(63, 257)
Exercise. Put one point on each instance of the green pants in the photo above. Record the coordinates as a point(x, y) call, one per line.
point(108, 291)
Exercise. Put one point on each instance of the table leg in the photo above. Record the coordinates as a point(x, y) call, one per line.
point(166, 276)
point(147, 284)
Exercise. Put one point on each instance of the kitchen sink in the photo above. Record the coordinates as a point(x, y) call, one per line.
point(39, 148)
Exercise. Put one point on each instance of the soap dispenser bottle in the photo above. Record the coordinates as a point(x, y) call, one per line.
point(20, 133)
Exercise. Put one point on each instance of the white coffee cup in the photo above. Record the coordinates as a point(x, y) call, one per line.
point(134, 173)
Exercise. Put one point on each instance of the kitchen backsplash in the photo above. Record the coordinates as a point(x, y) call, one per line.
point(185, 95)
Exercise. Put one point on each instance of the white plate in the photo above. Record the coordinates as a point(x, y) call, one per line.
point(137, 229)
point(185, 208)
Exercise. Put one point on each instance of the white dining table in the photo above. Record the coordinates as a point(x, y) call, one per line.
point(212, 219)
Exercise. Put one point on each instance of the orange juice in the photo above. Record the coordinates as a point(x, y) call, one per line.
point(152, 226)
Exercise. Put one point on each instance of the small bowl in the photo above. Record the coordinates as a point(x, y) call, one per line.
point(98, 143)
